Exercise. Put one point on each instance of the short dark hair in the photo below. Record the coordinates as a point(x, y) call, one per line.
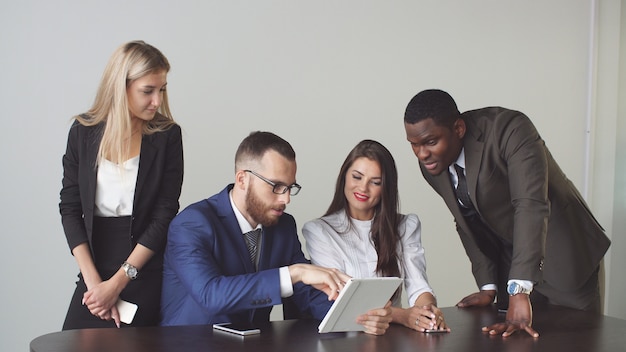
point(257, 143)
point(432, 103)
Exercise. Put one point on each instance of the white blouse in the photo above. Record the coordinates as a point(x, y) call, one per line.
point(353, 252)
point(115, 189)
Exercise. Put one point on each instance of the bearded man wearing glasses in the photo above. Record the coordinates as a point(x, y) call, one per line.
point(232, 257)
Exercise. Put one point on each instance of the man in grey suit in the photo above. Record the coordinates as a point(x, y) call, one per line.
point(526, 229)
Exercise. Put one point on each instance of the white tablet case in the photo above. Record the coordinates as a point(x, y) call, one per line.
point(356, 298)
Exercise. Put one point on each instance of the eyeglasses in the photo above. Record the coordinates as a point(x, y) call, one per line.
point(279, 188)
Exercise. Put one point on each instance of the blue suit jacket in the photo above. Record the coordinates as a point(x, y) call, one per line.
point(208, 276)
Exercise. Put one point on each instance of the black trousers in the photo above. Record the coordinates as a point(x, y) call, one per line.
point(111, 246)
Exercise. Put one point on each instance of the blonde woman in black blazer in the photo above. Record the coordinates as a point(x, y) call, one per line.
point(122, 177)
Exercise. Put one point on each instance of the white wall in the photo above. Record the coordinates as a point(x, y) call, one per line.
point(611, 109)
point(322, 74)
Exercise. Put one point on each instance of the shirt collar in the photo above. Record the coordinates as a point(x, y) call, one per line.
point(459, 161)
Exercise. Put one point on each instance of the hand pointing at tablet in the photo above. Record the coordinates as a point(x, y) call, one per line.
point(329, 281)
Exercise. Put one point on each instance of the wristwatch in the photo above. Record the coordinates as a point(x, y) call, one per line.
point(130, 270)
point(515, 288)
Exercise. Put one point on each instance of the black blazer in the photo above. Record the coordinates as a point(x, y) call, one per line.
point(157, 190)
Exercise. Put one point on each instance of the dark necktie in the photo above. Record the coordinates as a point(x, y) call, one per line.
point(461, 190)
point(252, 241)
point(488, 242)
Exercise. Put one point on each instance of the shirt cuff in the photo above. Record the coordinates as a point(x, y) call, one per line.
point(489, 287)
point(286, 287)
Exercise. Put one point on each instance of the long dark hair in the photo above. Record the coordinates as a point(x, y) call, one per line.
point(384, 233)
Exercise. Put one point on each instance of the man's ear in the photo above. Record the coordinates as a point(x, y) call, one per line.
point(459, 128)
point(241, 179)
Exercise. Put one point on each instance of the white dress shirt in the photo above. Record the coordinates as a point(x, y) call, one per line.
point(115, 188)
point(333, 243)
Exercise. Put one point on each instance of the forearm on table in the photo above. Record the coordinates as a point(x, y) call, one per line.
point(402, 315)
point(425, 299)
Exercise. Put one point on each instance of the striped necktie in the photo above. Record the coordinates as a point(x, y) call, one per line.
point(252, 241)
point(461, 190)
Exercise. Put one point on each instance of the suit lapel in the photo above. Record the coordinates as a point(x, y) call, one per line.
point(266, 245)
point(473, 159)
point(147, 154)
point(444, 184)
point(233, 230)
point(92, 146)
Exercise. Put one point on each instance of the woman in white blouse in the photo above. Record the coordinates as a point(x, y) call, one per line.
point(363, 235)
point(122, 176)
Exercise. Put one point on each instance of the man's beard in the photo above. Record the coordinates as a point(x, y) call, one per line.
point(258, 210)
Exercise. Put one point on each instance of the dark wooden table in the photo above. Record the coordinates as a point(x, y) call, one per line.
point(561, 330)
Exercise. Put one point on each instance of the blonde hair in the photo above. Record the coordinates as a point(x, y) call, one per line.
point(128, 63)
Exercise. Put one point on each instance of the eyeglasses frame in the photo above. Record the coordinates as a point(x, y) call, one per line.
point(274, 185)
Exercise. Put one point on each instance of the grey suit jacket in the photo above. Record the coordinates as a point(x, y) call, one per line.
point(523, 196)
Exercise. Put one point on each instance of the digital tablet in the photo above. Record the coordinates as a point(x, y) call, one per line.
point(356, 298)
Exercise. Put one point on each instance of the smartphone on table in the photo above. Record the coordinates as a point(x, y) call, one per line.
point(239, 329)
point(428, 331)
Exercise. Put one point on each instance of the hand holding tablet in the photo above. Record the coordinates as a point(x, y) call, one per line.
point(357, 297)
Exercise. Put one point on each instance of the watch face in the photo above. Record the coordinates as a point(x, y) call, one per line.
point(132, 272)
point(512, 289)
